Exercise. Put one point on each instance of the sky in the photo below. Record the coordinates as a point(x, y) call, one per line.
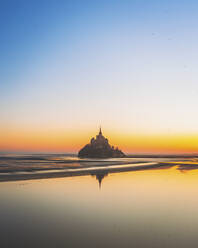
point(67, 67)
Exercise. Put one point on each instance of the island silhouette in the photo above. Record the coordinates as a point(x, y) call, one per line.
point(99, 147)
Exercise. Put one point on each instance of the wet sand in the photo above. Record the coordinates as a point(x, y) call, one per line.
point(28, 167)
point(144, 203)
point(15, 176)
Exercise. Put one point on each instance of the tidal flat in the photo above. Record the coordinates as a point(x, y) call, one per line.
point(38, 166)
point(131, 202)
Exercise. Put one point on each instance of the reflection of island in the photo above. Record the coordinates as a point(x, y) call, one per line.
point(100, 148)
point(100, 176)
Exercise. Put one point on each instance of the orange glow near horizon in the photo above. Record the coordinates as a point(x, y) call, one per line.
point(34, 140)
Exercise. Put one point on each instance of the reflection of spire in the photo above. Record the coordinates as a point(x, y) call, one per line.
point(99, 177)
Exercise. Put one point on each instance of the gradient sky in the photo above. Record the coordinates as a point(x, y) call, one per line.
point(68, 66)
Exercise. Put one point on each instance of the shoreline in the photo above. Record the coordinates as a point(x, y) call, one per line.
point(81, 171)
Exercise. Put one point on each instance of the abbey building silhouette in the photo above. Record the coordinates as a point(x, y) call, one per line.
point(99, 147)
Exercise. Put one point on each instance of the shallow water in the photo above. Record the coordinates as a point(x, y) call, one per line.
point(148, 208)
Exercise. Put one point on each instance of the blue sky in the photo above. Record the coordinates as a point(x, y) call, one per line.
point(130, 65)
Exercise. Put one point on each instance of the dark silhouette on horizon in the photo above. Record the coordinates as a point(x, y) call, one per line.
point(99, 147)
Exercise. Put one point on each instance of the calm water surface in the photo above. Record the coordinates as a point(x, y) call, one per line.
point(155, 208)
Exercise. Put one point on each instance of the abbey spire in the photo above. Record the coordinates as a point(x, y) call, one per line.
point(100, 131)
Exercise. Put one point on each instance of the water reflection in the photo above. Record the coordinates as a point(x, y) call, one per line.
point(153, 207)
point(100, 176)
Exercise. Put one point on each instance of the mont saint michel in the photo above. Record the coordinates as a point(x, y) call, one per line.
point(99, 147)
